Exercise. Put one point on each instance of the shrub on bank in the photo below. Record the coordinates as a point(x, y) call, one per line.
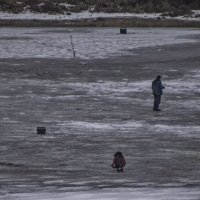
point(47, 8)
point(11, 6)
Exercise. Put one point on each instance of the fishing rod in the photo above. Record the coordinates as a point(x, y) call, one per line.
point(74, 53)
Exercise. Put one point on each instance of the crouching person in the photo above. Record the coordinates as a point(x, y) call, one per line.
point(119, 161)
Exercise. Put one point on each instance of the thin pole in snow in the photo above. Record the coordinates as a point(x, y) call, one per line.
point(74, 53)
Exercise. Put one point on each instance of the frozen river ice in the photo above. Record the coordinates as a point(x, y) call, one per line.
point(128, 194)
point(92, 108)
point(88, 42)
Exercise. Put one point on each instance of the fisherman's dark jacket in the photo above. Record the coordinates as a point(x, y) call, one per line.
point(119, 162)
point(157, 87)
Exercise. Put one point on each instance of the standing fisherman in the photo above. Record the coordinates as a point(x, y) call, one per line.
point(157, 88)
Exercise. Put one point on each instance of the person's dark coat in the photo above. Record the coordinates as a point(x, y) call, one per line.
point(157, 87)
point(118, 161)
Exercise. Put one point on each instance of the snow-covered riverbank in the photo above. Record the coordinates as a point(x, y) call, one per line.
point(88, 15)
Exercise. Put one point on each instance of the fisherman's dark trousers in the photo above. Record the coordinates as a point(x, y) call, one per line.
point(157, 100)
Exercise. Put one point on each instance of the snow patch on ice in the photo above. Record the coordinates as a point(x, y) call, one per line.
point(188, 84)
point(183, 86)
point(104, 126)
point(111, 87)
point(4, 97)
point(113, 194)
point(132, 127)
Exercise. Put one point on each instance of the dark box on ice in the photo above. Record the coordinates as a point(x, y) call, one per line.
point(41, 130)
point(123, 30)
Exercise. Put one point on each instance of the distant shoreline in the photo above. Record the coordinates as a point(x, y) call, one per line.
point(102, 22)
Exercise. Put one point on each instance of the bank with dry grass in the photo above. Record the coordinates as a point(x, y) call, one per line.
point(103, 22)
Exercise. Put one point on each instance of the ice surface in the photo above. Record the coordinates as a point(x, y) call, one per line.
point(88, 43)
point(128, 194)
point(89, 119)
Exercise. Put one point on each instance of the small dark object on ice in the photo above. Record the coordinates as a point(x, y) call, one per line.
point(119, 162)
point(123, 30)
point(41, 130)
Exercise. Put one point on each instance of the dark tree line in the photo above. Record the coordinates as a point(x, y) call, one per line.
point(139, 5)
